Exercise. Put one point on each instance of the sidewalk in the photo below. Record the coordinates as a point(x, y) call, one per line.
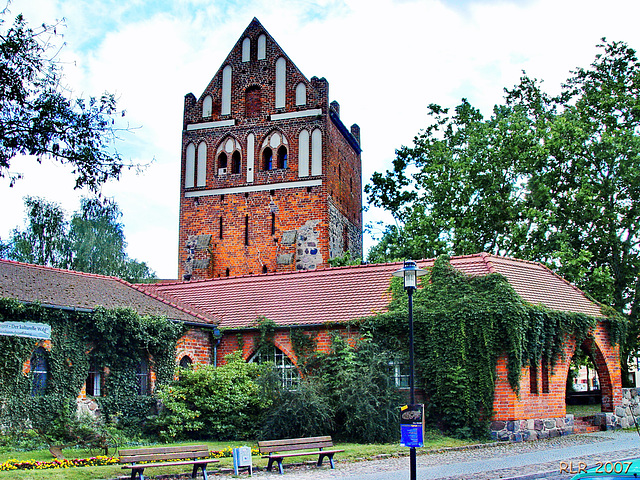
point(523, 460)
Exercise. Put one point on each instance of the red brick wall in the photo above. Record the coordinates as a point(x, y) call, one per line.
point(529, 405)
point(196, 344)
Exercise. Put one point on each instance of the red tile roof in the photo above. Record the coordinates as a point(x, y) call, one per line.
point(341, 294)
point(84, 291)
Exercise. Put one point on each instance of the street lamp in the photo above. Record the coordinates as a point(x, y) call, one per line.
point(410, 272)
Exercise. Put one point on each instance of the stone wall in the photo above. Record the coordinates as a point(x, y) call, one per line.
point(532, 429)
point(623, 414)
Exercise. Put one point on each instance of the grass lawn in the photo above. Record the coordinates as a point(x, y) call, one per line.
point(584, 410)
point(353, 452)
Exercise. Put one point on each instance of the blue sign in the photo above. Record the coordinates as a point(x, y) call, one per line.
point(411, 435)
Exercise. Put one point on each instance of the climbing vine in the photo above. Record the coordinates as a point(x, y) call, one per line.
point(117, 339)
point(462, 325)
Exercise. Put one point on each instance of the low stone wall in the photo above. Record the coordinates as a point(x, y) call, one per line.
point(533, 429)
point(623, 415)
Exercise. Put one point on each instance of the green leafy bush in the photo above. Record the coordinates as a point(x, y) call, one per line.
point(221, 402)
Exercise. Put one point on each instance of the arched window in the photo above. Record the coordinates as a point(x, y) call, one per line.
point(185, 362)
point(275, 144)
point(201, 169)
point(283, 365)
point(94, 378)
point(229, 156)
point(207, 106)
point(246, 50)
point(267, 159)
point(142, 376)
point(39, 371)
point(303, 154)
point(222, 163)
point(235, 162)
point(253, 101)
point(225, 108)
point(190, 167)
point(301, 94)
point(262, 47)
point(282, 157)
point(281, 82)
point(316, 152)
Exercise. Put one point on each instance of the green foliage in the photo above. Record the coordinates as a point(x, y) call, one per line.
point(98, 243)
point(221, 402)
point(462, 324)
point(303, 412)
point(94, 242)
point(360, 391)
point(547, 178)
point(117, 340)
point(344, 260)
point(44, 240)
point(37, 118)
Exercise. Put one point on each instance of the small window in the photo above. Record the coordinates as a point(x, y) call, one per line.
point(142, 377)
point(246, 50)
point(264, 269)
point(267, 159)
point(400, 373)
point(273, 223)
point(221, 222)
point(235, 162)
point(185, 362)
point(262, 47)
point(246, 229)
point(207, 106)
point(94, 379)
point(301, 94)
point(282, 157)
point(39, 371)
point(222, 160)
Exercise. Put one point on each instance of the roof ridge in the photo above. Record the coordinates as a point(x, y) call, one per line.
point(62, 270)
point(168, 302)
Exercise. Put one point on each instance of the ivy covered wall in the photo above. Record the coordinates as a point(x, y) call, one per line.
point(115, 340)
point(475, 338)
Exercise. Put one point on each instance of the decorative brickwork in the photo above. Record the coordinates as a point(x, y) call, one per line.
point(264, 154)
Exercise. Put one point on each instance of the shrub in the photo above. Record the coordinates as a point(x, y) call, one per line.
point(213, 402)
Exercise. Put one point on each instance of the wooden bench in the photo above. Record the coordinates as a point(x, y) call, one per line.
point(196, 455)
point(272, 449)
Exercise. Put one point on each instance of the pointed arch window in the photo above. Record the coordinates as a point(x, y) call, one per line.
point(225, 108)
point(235, 162)
point(275, 145)
point(282, 157)
point(201, 168)
point(267, 159)
point(207, 106)
point(190, 166)
point(39, 371)
point(287, 371)
point(281, 82)
point(229, 156)
point(301, 94)
point(262, 47)
point(246, 50)
point(185, 362)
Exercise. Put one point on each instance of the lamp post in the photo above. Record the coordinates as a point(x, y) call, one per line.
point(410, 272)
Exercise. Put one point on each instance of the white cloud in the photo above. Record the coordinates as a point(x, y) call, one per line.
point(385, 62)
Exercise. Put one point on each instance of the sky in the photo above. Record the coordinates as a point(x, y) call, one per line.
point(385, 61)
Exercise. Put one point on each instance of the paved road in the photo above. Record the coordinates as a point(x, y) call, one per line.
point(524, 461)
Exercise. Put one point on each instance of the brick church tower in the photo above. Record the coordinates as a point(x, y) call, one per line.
point(271, 178)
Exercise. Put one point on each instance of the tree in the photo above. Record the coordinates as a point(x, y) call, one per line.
point(38, 118)
point(550, 179)
point(98, 242)
point(94, 242)
point(44, 240)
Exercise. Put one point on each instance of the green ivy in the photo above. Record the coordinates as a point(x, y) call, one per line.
point(117, 339)
point(462, 325)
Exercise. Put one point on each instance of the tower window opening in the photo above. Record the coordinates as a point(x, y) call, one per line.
point(264, 269)
point(235, 162)
point(273, 223)
point(227, 272)
point(267, 159)
point(282, 157)
point(220, 228)
point(246, 229)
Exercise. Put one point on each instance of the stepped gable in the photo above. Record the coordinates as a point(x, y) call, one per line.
point(338, 295)
point(68, 289)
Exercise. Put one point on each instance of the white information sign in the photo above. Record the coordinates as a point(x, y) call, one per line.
point(40, 331)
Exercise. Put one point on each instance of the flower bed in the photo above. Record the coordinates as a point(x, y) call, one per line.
point(13, 464)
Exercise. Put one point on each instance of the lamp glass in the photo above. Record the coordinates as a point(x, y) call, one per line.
point(410, 280)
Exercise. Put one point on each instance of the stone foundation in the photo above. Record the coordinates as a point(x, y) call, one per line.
point(532, 429)
point(623, 415)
